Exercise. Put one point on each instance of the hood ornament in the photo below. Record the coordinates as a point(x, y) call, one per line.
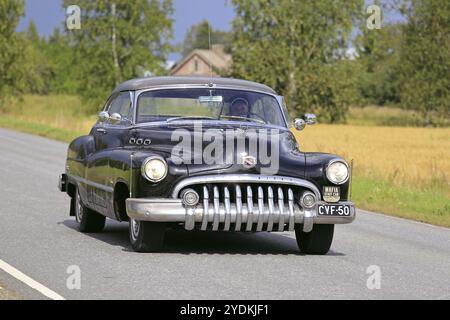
point(248, 161)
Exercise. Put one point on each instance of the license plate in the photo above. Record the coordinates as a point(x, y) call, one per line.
point(333, 210)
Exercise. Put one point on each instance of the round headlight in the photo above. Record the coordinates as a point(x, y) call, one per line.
point(337, 172)
point(154, 169)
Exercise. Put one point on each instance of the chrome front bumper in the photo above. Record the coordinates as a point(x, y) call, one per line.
point(232, 217)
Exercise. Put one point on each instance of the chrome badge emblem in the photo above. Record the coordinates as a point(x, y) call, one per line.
point(331, 194)
point(248, 162)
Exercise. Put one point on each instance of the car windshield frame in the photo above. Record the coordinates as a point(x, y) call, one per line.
point(275, 97)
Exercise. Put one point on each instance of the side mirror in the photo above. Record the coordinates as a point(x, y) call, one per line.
point(103, 116)
point(115, 118)
point(310, 119)
point(299, 124)
point(307, 119)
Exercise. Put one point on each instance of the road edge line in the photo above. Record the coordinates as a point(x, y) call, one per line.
point(29, 281)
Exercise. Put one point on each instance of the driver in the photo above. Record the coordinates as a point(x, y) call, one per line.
point(239, 108)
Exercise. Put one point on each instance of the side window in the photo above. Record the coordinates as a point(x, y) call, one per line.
point(121, 105)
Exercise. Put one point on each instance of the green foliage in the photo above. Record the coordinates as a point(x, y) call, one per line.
point(34, 73)
point(10, 44)
point(60, 57)
point(119, 40)
point(198, 38)
point(297, 48)
point(24, 68)
point(425, 59)
point(379, 52)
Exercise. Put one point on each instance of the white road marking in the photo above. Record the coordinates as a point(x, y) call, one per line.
point(29, 282)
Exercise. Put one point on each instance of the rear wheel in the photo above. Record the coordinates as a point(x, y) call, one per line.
point(146, 236)
point(318, 241)
point(88, 220)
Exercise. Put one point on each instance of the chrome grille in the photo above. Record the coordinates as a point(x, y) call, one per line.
point(247, 207)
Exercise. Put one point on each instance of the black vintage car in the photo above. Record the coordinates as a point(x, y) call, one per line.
point(203, 154)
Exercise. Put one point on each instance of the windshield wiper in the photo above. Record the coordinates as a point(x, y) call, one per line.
point(190, 118)
point(243, 118)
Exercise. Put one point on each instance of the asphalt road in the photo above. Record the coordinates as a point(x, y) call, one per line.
point(38, 238)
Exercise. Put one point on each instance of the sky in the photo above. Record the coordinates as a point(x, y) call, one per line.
point(48, 14)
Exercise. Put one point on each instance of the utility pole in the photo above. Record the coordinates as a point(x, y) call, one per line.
point(114, 44)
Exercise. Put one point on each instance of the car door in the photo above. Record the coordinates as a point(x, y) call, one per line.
point(107, 137)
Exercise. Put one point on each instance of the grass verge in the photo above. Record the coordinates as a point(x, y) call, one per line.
point(6, 294)
point(39, 129)
point(429, 206)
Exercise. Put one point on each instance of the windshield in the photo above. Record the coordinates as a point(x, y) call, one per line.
point(209, 104)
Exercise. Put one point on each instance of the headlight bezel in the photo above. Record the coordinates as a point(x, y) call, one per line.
point(327, 173)
point(147, 161)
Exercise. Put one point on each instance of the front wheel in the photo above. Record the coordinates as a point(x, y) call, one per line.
point(146, 236)
point(88, 220)
point(318, 241)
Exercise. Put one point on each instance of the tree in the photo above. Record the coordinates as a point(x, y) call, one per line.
point(378, 52)
point(10, 44)
point(32, 33)
point(61, 59)
point(297, 47)
point(34, 75)
point(198, 38)
point(119, 40)
point(425, 59)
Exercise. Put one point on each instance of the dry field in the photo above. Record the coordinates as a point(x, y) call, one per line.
point(399, 171)
point(418, 157)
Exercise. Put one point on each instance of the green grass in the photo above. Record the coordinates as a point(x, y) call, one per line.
point(39, 129)
point(430, 206)
point(59, 117)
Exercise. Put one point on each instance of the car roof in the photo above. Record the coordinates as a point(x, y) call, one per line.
point(155, 82)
